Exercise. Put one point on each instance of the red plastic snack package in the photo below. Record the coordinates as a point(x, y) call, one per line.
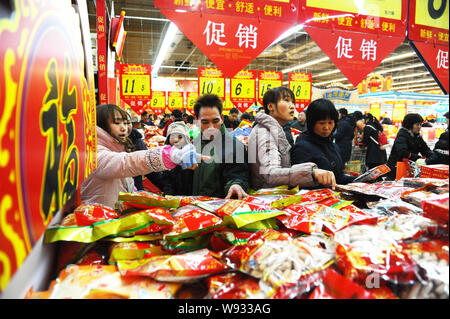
point(276, 258)
point(174, 268)
point(147, 200)
point(364, 251)
point(336, 286)
point(436, 208)
point(314, 218)
point(234, 285)
point(87, 214)
point(192, 221)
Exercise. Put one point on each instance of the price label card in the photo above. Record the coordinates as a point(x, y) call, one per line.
point(133, 84)
point(300, 84)
point(398, 112)
point(191, 99)
point(268, 80)
point(158, 102)
point(243, 89)
point(211, 81)
point(175, 101)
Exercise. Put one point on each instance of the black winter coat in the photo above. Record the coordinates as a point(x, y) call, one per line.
point(345, 132)
point(440, 151)
point(374, 156)
point(310, 147)
point(407, 145)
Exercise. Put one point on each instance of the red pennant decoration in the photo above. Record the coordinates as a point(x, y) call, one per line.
point(436, 61)
point(355, 54)
point(230, 42)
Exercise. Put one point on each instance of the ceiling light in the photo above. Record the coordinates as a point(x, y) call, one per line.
point(399, 56)
point(300, 66)
point(327, 73)
point(168, 38)
point(413, 86)
point(326, 82)
point(409, 75)
point(415, 81)
point(399, 69)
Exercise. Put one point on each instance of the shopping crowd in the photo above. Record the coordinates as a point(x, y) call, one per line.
point(217, 164)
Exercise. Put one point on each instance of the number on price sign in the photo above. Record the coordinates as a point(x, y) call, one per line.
point(158, 103)
point(212, 86)
point(268, 80)
point(191, 99)
point(244, 89)
point(135, 84)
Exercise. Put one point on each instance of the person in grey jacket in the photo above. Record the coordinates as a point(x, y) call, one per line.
point(269, 149)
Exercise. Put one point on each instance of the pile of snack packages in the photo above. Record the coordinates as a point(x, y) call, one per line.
point(384, 240)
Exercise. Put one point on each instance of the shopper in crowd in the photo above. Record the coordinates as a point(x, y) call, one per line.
point(226, 174)
point(300, 122)
point(231, 121)
point(117, 161)
point(146, 120)
point(344, 134)
point(190, 121)
point(176, 116)
point(164, 120)
point(375, 156)
point(185, 118)
point(136, 136)
point(269, 149)
point(176, 181)
point(408, 143)
point(386, 120)
point(316, 144)
point(440, 151)
point(359, 129)
point(247, 116)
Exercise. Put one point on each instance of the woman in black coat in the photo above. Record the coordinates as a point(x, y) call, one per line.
point(344, 135)
point(408, 144)
point(316, 144)
point(440, 151)
point(374, 155)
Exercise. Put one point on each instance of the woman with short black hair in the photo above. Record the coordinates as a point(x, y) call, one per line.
point(408, 144)
point(375, 156)
point(316, 144)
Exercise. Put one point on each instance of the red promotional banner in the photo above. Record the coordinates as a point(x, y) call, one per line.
point(102, 53)
point(243, 89)
point(355, 54)
point(48, 141)
point(301, 85)
point(399, 110)
point(356, 36)
point(268, 80)
point(135, 85)
point(231, 35)
point(436, 61)
point(428, 32)
point(379, 17)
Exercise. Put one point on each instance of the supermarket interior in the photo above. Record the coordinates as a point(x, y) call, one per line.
point(212, 149)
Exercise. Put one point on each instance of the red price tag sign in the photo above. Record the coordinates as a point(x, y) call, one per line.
point(300, 84)
point(243, 89)
point(135, 85)
point(175, 101)
point(268, 80)
point(211, 81)
point(191, 99)
point(158, 102)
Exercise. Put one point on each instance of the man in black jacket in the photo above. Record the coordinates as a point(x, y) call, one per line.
point(231, 121)
point(345, 132)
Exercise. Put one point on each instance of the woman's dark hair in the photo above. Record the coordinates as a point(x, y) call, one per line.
point(105, 116)
point(190, 119)
point(374, 121)
point(343, 111)
point(209, 100)
point(410, 119)
point(357, 115)
point(177, 115)
point(246, 116)
point(319, 110)
point(276, 94)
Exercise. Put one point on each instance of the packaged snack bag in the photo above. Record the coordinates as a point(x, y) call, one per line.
point(432, 259)
point(87, 214)
point(186, 245)
point(174, 268)
point(147, 200)
point(125, 224)
point(364, 251)
point(280, 190)
point(404, 227)
point(336, 286)
point(372, 174)
point(234, 285)
point(388, 207)
point(317, 195)
point(85, 282)
point(192, 221)
point(134, 250)
point(275, 258)
point(436, 209)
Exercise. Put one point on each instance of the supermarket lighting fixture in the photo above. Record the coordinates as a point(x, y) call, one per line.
point(300, 66)
point(331, 81)
point(168, 38)
point(416, 81)
point(399, 56)
point(395, 95)
point(413, 86)
point(410, 75)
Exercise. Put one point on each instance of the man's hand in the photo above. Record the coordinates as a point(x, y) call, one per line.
point(237, 190)
point(324, 177)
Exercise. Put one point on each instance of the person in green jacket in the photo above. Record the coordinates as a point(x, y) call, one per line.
point(225, 174)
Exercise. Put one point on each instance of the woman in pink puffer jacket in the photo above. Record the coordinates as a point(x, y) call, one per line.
point(116, 164)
